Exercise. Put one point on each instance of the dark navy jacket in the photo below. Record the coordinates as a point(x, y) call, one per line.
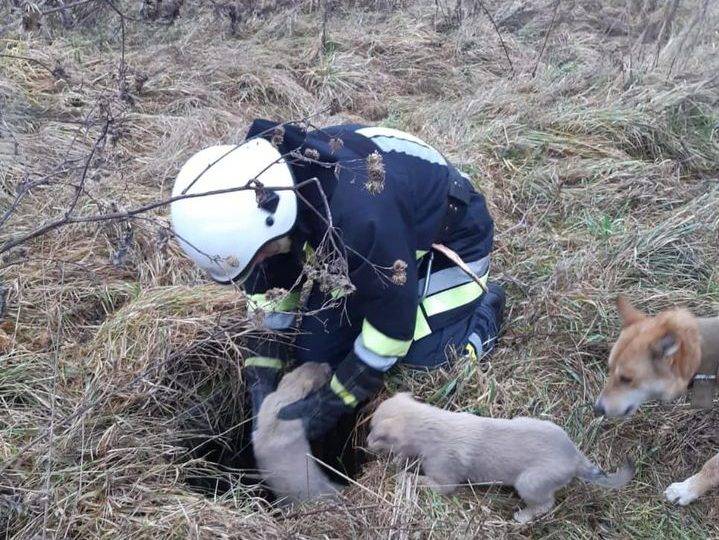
point(377, 229)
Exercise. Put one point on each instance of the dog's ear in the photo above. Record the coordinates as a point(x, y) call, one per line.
point(679, 343)
point(628, 312)
point(665, 347)
point(668, 348)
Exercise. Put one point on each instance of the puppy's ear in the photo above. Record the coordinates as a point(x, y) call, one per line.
point(628, 312)
point(384, 433)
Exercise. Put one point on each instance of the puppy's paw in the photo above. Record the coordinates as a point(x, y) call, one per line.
point(681, 492)
point(523, 516)
point(443, 488)
point(399, 460)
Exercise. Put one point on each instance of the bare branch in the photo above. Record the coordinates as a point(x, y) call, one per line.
point(499, 34)
point(26, 188)
point(80, 187)
point(546, 36)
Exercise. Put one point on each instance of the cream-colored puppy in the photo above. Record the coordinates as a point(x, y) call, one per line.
point(535, 456)
point(282, 452)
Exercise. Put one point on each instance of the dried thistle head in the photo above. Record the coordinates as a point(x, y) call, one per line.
point(31, 16)
point(140, 80)
point(59, 72)
point(336, 144)
point(257, 317)
point(399, 272)
point(335, 106)
point(149, 9)
point(232, 261)
point(162, 239)
point(171, 10)
point(275, 294)
point(375, 173)
point(278, 136)
point(312, 153)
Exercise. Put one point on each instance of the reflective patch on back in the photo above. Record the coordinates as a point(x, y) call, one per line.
point(394, 140)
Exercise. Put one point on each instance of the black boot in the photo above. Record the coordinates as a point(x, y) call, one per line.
point(490, 315)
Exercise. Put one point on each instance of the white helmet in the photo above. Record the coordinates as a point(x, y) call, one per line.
point(223, 232)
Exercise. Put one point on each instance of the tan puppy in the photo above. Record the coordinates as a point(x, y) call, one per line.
point(535, 456)
point(657, 358)
point(281, 448)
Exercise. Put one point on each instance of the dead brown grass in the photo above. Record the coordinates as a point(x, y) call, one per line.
point(600, 171)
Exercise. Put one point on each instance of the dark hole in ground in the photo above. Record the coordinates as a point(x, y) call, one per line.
point(230, 452)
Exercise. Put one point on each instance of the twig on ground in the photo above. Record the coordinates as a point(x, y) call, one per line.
point(66, 7)
point(53, 403)
point(33, 60)
point(671, 11)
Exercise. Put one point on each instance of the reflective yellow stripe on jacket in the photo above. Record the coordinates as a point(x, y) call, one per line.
point(288, 302)
point(264, 361)
point(453, 298)
point(444, 301)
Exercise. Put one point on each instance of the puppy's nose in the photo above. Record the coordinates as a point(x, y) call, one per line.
point(599, 409)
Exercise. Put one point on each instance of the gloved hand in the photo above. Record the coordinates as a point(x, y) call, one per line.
point(262, 375)
point(353, 383)
point(262, 369)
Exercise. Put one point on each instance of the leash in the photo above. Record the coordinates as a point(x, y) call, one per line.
point(456, 259)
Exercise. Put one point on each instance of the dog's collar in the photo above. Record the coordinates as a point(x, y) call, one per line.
point(704, 383)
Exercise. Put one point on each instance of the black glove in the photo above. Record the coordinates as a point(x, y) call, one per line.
point(354, 382)
point(262, 375)
point(263, 369)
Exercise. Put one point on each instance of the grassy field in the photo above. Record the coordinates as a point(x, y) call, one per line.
point(592, 127)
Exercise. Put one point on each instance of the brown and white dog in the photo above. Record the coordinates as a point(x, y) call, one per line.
point(659, 358)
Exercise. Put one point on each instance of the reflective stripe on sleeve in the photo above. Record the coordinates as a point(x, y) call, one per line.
point(338, 388)
point(394, 140)
point(288, 302)
point(278, 321)
point(373, 360)
point(381, 344)
point(277, 311)
point(264, 361)
point(421, 326)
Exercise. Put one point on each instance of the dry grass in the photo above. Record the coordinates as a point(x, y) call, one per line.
point(601, 172)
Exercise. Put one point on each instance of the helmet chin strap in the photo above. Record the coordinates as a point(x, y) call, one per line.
point(278, 246)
